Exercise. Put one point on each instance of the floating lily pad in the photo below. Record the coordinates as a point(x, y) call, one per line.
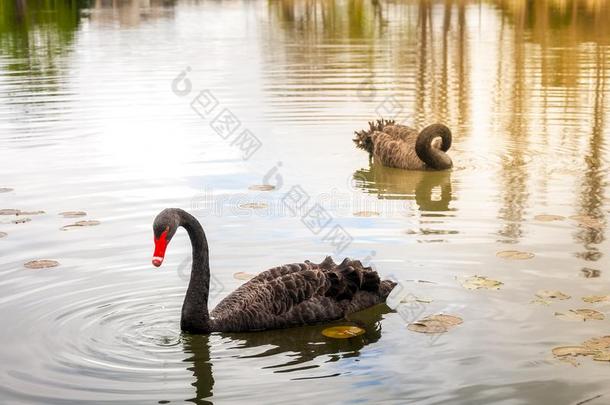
point(254, 205)
point(581, 315)
point(572, 351)
point(12, 211)
point(587, 272)
point(515, 255)
point(366, 214)
point(5, 190)
point(540, 301)
point(73, 214)
point(243, 276)
point(587, 221)
point(343, 332)
point(598, 343)
point(603, 355)
point(41, 264)
point(476, 282)
point(3, 234)
point(548, 218)
point(552, 294)
point(80, 224)
point(261, 187)
point(435, 324)
point(21, 220)
point(596, 298)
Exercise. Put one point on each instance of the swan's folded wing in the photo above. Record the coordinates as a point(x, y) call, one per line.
point(339, 283)
point(279, 271)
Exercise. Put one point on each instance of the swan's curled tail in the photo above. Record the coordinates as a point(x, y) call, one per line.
point(363, 139)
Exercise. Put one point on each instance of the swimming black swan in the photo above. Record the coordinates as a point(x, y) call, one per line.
point(281, 297)
point(399, 146)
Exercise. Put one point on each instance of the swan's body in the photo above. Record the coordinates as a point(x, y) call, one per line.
point(281, 297)
point(402, 147)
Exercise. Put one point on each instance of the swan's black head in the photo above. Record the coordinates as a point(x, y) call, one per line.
point(164, 227)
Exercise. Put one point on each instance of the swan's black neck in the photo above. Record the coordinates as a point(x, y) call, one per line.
point(434, 158)
point(195, 316)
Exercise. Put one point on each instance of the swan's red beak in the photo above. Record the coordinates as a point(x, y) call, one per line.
point(160, 246)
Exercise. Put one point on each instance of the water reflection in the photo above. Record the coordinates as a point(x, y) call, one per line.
point(305, 345)
point(34, 36)
point(430, 190)
point(130, 13)
point(197, 347)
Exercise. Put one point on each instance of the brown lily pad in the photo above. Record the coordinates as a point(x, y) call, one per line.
point(261, 187)
point(12, 211)
point(440, 323)
point(587, 272)
point(581, 315)
point(366, 214)
point(80, 224)
point(572, 351)
point(240, 275)
point(548, 218)
point(603, 355)
point(73, 214)
point(253, 205)
point(552, 294)
point(515, 255)
point(477, 282)
point(596, 298)
point(343, 332)
point(41, 264)
point(598, 343)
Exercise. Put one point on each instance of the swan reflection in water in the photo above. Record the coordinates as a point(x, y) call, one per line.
point(303, 345)
point(431, 190)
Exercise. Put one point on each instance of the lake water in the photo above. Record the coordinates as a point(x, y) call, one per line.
point(111, 107)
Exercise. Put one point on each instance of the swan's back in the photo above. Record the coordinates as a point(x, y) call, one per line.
point(300, 294)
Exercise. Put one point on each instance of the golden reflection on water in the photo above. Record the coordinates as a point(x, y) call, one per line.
point(523, 83)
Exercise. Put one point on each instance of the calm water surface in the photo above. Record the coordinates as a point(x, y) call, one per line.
point(95, 116)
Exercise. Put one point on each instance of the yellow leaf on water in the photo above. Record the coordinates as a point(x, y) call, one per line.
point(548, 218)
point(41, 264)
point(435, 324)
point(552, 294)
point(261, 187)
point(515, 255)
point(366, 214)
point(253, 205)
point(598, 343)
point(240, 275)
point(596, 298)
point(343, 332)
point(581, 315)
point(476, 282)
point(603, 355)
point(80, 224)
point(73, 214)
point(572, 351)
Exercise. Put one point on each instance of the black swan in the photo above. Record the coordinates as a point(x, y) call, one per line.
point(281, 297)
point(402, 147)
